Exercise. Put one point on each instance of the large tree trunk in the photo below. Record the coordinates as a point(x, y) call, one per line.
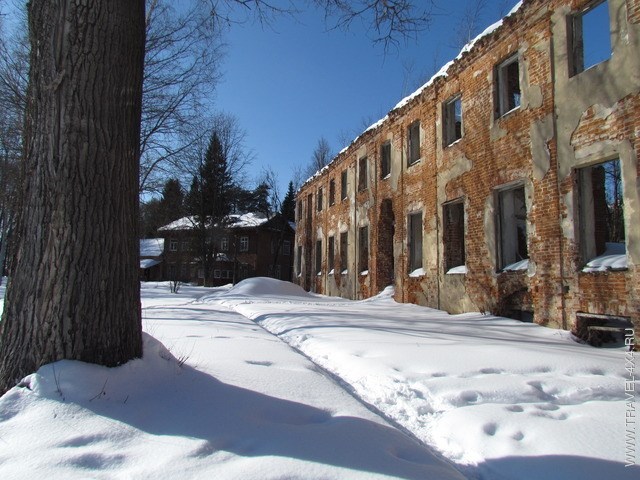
point(74, 292)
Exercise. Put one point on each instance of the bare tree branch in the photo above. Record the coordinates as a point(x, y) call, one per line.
point(390, 20)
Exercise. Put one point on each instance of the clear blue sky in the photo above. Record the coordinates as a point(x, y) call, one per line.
point(293, 83)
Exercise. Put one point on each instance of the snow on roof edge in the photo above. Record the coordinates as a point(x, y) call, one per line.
point(240, 220)
point(406, 100)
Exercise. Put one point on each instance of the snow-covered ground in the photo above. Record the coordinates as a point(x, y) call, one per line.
point(216, 396)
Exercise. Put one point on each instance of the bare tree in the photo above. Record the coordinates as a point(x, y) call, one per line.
point(469, 24)
point(390, 20)
point(321, 157)
point(74, 290)
point(14, 65)
point(182, 52)
point(217, 163)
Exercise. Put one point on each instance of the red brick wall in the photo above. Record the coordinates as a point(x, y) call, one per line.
point(520, 147)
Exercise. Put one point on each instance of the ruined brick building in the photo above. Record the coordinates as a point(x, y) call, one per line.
point(509, 183)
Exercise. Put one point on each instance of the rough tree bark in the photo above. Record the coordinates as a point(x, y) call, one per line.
point(74, 293)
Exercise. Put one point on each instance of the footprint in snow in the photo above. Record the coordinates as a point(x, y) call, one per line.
point(515, 408)
point(490, 429)
point(264, 363)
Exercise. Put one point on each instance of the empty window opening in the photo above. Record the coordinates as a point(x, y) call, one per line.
point(601, 215)
point(413, 135)
point(507, 86)
point(414, 224)
point(452, 120)
point(590, 37)
point(385, 262)
point(299, 260)
point(286, 248)
point(512, 229)
point(318, 257)
point(525, 316)
point(332, 192)
point(363, 249)
point(343, 185)
point(385, 160)
point(331, 255)
point(362, 174)
point(453, 236)
point(309, 208)
point(319, 199)
point(299, 217)
point(344, 252)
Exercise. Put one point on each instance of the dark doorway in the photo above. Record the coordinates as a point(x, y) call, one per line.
point(386, 230)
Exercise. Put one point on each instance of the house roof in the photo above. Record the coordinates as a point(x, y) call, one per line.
point(149, 262)
point(244, 220)
point(151, 247)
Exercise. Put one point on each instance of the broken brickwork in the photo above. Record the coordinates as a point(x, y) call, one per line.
point(505, 193)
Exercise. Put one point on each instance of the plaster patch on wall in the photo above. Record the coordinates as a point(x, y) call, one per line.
point(534, 96)
point(490, 228)
point(459, 166)
point(496, 132)
point(601, 112)
point(631, 191)
point(531, 93)
point(567, 224)
point(541, 133)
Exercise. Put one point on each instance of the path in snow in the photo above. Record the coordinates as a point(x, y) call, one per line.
point(502, 398)
point(243, 405)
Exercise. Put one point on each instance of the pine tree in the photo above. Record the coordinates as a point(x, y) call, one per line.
point(260, 199)
point(209, 201)
point(288, 208)
point(215, 183)
point(172, 202)
point(192, 198)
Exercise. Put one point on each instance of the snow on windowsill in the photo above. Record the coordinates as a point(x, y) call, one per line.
point(331, 272)
point(614, 259)
point(458, 140)
point(364, 272)
point(418, 272)
point(344, 272)
point(518, 266)
point(459, 270)
point(509, 112)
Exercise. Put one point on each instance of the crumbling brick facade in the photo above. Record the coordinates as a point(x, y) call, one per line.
point(500, 150)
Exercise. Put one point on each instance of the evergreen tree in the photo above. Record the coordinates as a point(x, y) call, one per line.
point(192, 198)
point(210, 201)
point(288, 208)
point(172, 202)
point(212, 188)
point(159, 212)
point(150, 218)
point(260, 199)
